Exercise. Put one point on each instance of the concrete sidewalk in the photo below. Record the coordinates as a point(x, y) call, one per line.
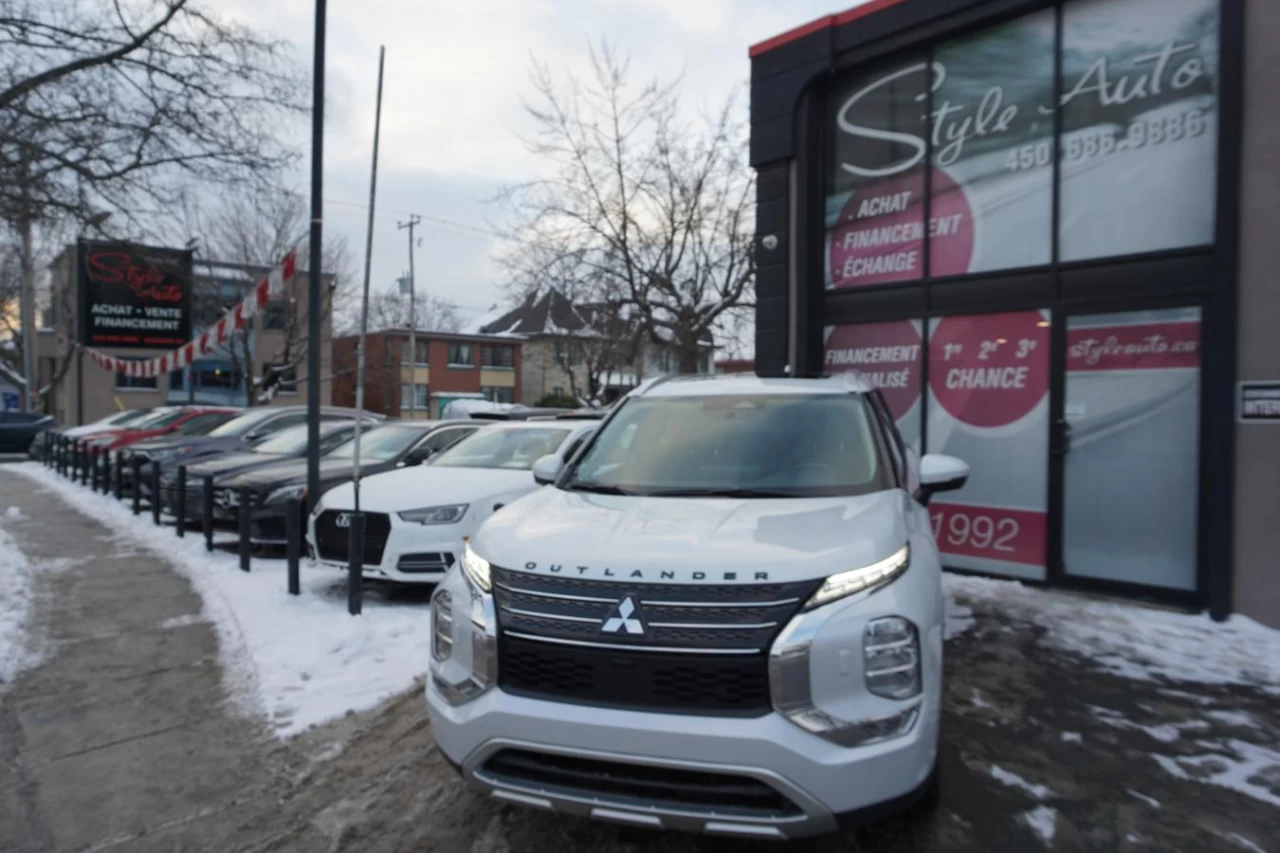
point(121, 739)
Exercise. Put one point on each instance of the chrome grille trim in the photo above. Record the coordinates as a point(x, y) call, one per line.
point(628, 646)
point(557, 595)
point(553, 616)
point(735, 606)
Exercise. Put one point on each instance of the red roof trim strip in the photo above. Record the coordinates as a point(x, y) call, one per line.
point(820, 24)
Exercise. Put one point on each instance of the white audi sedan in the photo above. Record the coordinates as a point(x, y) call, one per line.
point(418, 519)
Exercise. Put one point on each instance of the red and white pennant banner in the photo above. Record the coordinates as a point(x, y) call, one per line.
point(217, 335)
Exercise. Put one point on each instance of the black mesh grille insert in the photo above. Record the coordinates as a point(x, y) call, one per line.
point(331, 540)
point(639, 784)
point(718, 685)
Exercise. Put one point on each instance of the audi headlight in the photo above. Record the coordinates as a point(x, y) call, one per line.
point(867, 578)
point(282, 494)
point(477, 568)
point(451, 514)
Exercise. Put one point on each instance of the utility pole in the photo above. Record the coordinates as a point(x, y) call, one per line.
point(314, 295)
point(414, 219)
point(28, 295)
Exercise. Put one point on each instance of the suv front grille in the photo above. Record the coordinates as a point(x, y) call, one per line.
point(684, 648)
point(639, 785)
point(331, 540)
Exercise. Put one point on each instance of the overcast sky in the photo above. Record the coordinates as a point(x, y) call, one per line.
point(456, 70)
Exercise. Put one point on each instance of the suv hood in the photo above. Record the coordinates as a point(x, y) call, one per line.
point(700, 539)
point(427, 485)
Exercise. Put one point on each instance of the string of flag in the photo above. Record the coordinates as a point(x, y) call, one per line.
point(219, 334)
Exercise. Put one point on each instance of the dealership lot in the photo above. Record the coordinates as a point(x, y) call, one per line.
point(1069, 724)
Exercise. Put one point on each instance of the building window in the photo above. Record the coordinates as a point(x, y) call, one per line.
point(704, 363)
point(288, 373)
point(498, 356)
point(216, 376)
point(557, 391)
point(420, 404)
point(460, 355)
point(135, 382)
point(422, 346)
point(499, 394)
point(666, 363)
point(569, 352)
point(278, 316)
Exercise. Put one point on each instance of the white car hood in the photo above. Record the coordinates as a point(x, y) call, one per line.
point(785, 538)
point(427, 485)
point(89, 429)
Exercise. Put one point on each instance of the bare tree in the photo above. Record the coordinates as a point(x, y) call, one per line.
point(123, 105)
point(255, 232)
point(640, 202)
point(390, 310)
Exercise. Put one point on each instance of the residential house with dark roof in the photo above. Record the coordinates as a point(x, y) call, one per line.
point(585, 350)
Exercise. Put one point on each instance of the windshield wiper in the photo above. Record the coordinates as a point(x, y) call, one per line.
point(597, 488)
point(720, 493)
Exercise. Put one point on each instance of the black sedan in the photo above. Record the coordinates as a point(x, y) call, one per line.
point(286, 445)
point(19, 429)
point(384, 448)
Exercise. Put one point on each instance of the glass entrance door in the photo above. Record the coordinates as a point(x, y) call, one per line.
point(1131, 441)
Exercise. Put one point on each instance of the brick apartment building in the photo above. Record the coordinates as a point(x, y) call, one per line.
point(448, 367)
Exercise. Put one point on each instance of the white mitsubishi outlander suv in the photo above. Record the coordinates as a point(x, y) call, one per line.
point(723, 614)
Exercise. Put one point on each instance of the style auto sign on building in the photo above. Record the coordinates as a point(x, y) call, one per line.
point(134, 296)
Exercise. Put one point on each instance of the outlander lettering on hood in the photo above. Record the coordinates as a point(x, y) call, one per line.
point(641, 574)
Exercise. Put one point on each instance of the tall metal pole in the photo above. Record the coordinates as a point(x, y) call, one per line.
point(368, 264)
point(314, 295)
point(414, 219)
point(28, 315)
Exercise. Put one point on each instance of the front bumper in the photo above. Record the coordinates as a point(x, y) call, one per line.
point(409, 553)
point(821, 782)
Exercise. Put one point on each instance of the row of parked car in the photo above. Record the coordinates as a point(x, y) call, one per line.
point(417, 520)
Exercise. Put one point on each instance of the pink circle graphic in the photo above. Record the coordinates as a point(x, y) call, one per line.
point(879, 238)
point(990, 370)
point(887, 354)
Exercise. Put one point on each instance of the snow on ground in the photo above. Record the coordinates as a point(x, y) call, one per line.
point(1151, 801)
point(16, 595)
point(1136, 641)
point(1235, 764)
point(1013, 780)
point(298, 661)
point(1044, 821)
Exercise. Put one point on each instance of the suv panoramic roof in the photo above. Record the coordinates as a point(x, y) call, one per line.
point(704, 386)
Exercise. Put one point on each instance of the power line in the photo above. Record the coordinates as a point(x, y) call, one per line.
point(488, 232)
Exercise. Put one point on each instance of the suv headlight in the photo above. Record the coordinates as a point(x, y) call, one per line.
point(477, 568)
point(282, 494)
point(867, 578)
point(451, 514)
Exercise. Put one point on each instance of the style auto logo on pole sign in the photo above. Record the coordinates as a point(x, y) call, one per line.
point(134, 296)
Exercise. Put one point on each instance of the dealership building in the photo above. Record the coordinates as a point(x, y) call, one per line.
point(1046, 231)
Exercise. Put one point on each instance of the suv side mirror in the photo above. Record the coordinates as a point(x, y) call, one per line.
point(547, 469)
point(940, 473)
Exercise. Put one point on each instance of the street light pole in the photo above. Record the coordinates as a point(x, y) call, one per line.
point(314, 296)
point(414, 219)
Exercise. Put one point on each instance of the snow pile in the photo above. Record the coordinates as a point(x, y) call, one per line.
point(1235, 764)
point(1013, 780)
point(1135, 641)
point(16, 648)
point(297, 660)
point(1043, 821)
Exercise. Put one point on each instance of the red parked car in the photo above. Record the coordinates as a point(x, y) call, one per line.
point(170, 420)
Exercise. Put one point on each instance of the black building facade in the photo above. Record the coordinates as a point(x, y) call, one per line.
point(1022, 220)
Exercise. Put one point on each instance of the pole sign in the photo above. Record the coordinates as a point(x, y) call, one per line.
point(1260, 402)
point(134, 296)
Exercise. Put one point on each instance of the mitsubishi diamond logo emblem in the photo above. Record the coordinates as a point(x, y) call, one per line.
point(624, 619)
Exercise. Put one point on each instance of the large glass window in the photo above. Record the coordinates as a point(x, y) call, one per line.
point(989, 405)
point(1139, 122)
point(891, 357)
point(875, 189)
point(498, 356)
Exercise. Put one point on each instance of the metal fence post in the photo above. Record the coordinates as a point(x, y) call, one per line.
point(155, 492)
point(355, 564)
point(181, 500)
point(136, 464)
point(206, 511)
point(244, 529)
point(93, 468)
point(84, 465)
point(293, 541)
point(58, 444)
point(119, 479)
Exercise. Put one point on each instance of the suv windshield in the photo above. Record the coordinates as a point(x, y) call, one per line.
point(290, 441)
point(161, 419)
point(382, 444)
point(737, 446)
point(496, 447)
